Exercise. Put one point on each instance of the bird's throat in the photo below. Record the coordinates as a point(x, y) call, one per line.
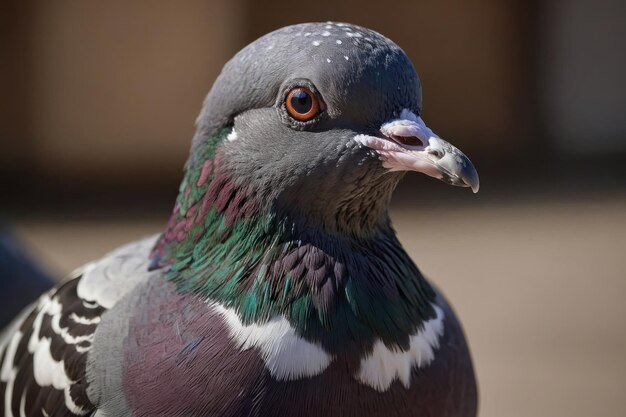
point(223, 244)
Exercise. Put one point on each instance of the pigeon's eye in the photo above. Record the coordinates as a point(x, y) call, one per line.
point(302, 104)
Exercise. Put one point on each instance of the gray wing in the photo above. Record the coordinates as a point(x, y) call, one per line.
point(43, 354)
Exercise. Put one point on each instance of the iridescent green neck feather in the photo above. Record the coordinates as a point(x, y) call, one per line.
point(229, 242)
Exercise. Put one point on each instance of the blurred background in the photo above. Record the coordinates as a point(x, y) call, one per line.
point(97, 112)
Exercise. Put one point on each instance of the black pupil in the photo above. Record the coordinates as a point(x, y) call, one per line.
point(301, 101)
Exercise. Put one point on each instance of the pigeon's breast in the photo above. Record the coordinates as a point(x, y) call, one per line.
point(185, 356)
point(180, 360)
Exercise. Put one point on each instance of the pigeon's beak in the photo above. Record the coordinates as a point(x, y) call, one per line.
point(409, 145)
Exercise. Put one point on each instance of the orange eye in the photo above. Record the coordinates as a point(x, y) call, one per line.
point(302, 104)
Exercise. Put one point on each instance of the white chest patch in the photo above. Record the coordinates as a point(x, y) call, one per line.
point(383, 365)
point(286, 355)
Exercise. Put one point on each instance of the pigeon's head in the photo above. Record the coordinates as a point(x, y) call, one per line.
point(323, 119)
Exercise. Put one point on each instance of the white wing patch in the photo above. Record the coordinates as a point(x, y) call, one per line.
point(10, 356)
point(47, 371)
point(7, 372)
point(8, 392)
point(56, 333)
point(287, 356)
point(382, 366)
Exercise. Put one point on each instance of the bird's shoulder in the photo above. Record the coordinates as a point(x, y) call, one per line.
point(44, 352)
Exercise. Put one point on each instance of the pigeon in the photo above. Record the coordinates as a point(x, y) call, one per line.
point(278, 286)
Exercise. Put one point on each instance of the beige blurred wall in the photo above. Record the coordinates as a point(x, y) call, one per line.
point(582, 83)
point(109, 91)
point(111, 88)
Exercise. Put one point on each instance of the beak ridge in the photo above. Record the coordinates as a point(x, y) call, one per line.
point(454, 166)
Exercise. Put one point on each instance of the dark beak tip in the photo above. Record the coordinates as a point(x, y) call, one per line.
point(469, 175)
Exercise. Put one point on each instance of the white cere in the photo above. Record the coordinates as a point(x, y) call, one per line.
point(338, 42)
point(328, 60)
point(346, 57)
point(328, 27)
point(317, 43)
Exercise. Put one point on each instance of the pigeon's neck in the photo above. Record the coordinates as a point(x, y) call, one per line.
point(223, 244)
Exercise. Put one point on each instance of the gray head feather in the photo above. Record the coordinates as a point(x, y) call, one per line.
point(316, 167)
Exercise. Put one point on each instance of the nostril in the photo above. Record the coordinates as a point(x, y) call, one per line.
point(436, 152)
point(408, 140)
